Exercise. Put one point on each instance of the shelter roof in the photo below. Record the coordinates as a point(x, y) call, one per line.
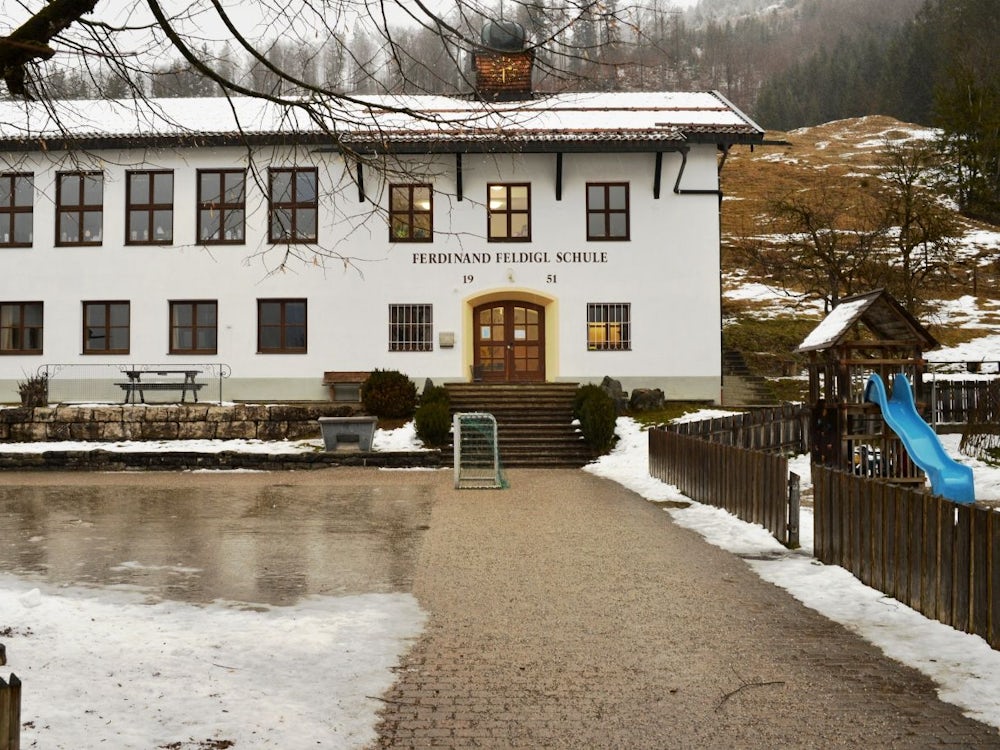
point(591, 121)
point(880, 312)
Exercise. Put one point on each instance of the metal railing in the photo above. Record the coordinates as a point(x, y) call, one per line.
point(100, 383)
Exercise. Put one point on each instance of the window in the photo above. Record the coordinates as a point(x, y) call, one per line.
point(293, 205)
point(281, 326)
point(509, 213)
point(410, 213)
point(17, 197)
point(609, 326)
point(221, 206)
point(411, 328)
point(607, 211)
point(194, 327)
point(79, 208)
point(20, 327)
point(105, 327)
point(149, 215)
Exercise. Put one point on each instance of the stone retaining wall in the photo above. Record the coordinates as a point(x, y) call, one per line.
point(166, 422)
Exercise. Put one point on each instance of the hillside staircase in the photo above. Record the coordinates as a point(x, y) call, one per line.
point(534, 421)
point(740, 387)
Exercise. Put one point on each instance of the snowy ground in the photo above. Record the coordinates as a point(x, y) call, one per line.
point(172, 675)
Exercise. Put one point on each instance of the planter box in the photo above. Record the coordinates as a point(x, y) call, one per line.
point(349, 430)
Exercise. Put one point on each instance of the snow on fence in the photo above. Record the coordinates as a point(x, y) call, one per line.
point(10, 713)
point(933, 555)
point(753, 485)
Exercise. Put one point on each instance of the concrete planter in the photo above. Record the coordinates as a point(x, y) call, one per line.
point(338, 431)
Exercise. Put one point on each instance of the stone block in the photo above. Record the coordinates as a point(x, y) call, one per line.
point(158, 431)
point(241, 430)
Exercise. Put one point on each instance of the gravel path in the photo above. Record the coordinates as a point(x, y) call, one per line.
point(567, 612)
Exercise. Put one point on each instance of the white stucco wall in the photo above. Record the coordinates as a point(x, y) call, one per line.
point(668, 271)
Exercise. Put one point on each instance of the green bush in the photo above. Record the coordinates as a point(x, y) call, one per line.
point(596, 412)
point(389, 394)
point(433, 394)
point(433, 423)
point(583, 394)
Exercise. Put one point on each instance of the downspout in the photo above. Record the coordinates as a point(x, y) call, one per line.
point(683, 150)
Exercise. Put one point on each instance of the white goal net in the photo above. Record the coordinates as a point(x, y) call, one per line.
point(477, 452)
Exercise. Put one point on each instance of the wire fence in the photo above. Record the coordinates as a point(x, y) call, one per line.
point(110, 383)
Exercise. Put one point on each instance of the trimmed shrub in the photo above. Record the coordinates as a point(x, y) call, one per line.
point(433, 394)
point(433, 423)
point(596, 412)
point(389, 394)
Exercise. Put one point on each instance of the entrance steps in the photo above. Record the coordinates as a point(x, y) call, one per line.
point(534, 421)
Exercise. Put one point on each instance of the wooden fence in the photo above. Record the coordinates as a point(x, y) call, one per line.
point(958, 402)
point(10, 714)
point(753, 485)
point(782, 428)
point(938, 557)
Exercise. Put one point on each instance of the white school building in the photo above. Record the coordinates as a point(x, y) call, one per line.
point(551, 238)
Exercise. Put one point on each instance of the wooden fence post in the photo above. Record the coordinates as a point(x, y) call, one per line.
point(794, 501)
point(10, 714)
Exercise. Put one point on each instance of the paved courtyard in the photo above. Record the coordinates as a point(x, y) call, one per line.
point(566, 612)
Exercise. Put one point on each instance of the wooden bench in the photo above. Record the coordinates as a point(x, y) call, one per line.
point(136, 384)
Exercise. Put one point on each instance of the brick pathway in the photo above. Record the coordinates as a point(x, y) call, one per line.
point(566, 612)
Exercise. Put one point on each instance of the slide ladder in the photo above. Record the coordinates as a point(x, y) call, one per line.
point(949, 479)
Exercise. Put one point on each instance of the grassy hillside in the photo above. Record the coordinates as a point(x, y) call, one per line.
point(767, 323)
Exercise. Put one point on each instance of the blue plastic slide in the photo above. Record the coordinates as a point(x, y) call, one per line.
point(949, 479)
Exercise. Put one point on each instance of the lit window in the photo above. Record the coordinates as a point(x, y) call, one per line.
point(79, 208)
point(149, 215)
point(293, 205)
point(609, 326)
point(17, 196)
point(410, 213)
point(509, 213)
point(607, 211)
point(20, 327)
point(410, 328)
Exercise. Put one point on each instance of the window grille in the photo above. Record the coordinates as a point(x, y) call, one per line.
point(609, 326)
point(411, 328)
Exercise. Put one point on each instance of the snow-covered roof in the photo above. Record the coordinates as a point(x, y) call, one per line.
point(879, 311)
point(385, 121)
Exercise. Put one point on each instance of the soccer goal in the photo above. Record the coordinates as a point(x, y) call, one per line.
point(477, 452)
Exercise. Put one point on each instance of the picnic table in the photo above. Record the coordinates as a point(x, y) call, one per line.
point(186, 383)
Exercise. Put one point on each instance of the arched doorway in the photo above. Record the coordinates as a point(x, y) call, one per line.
point(509, 342)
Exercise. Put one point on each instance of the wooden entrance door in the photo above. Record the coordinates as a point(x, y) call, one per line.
point(510, 342)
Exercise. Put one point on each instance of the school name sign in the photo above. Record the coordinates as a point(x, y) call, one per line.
point(506, 258)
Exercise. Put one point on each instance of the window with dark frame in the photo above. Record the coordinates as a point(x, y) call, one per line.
point(17, 204)
point(281, 326)
point(21, 325)
point(149, 207)
point(411, 213)
point(509, 212)
point(607, 211)
point(79, 208)
point(609, 326)
point(221, 206)
point(411, 328)
point(106, 327)
point(194, 327)
point(293, 204)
